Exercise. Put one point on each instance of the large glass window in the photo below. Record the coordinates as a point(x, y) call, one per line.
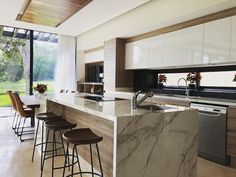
point(173, 78)
point(45, 59)
point(218, 79)
point(14, 64)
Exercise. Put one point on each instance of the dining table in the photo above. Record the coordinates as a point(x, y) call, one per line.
point(30, 101)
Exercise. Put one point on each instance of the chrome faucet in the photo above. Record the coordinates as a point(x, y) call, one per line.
point(136, 102)
point(186, 86)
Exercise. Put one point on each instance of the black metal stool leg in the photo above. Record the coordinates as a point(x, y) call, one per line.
point(35, 141)
point(53, 151)
point(99, 159)
point(67, 155)
point(77, 156)
point(44, 155)
point(91, 155)
point(73, 161)
point(63, 147)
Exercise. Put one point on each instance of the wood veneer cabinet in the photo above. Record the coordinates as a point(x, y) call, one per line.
point(231, 135)
point(116, 78)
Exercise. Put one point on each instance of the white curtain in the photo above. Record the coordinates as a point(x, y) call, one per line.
point(65, 77)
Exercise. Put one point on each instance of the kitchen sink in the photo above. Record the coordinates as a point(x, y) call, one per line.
point(150, 107)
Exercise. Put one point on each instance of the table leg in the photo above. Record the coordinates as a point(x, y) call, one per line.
point(32, 123)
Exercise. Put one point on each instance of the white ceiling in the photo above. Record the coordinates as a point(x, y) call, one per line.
point(94, 14)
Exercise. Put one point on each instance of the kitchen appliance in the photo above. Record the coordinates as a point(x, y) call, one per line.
point(212, 132)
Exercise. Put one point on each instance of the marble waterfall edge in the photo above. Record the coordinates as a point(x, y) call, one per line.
point(157, 145)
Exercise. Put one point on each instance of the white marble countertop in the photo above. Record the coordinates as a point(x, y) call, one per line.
point(107, 109)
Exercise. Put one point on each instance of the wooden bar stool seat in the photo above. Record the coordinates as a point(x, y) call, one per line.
point(82, 136)
point(46, 116)
point(61, 124)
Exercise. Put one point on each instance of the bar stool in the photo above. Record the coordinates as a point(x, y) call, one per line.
point(56, 126)
point(82, 136)
point(42, 117)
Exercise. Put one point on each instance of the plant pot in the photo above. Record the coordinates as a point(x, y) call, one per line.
point(41, 91)
point(192, 86)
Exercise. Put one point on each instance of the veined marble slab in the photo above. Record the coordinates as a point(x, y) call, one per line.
point(157, 145)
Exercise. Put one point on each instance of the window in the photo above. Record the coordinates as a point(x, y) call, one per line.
point(218, 79)
point(45, 59)
point(172, 79)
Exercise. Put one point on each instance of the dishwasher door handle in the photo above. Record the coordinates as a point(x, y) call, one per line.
point(209, 114)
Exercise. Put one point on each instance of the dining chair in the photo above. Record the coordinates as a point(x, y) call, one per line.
point(24, 113)
point(14, 108)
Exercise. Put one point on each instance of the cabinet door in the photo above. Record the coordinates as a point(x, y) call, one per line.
point(156, 59)
point(217, 41)
point(233, 40)
point(192, 45)
point(173, 49)
point(137, 54)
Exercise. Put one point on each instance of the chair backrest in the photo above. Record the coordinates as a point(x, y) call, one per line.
point(12, 100)
point(19, 104)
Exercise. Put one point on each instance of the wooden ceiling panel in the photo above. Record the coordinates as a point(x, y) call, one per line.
point(51, 12)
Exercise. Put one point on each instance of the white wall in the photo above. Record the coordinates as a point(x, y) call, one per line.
point(150, 16)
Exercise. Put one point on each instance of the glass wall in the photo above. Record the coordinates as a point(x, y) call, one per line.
point(45, 59)
point(218, 79)
point(14, 65)
point(15, 61)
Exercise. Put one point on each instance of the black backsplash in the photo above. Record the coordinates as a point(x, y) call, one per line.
point(146, 80)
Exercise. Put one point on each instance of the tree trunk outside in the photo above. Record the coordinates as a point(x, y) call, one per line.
point(25, 52)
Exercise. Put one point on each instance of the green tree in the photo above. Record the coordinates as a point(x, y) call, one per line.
point(15, 59)
point(45, 55)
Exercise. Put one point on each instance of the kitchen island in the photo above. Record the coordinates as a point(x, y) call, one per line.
point(136, 142)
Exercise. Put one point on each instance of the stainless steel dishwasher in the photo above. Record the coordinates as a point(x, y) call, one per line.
point(212, 132)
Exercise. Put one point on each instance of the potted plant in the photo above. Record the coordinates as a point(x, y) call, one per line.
point(161, 80)
point(41, 88)
point(193, 78)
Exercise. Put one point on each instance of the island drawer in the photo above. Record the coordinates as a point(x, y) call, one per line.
point(231, 124)
point(231, 143)
point(232, 112)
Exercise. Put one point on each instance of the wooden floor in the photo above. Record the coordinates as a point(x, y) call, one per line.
point(15, 157)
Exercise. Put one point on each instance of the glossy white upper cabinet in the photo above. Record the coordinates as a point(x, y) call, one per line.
point(233, 39)
point(192, 45)
point(173, 49)
point(217, 41)
point(137, 54)
point(157, 56)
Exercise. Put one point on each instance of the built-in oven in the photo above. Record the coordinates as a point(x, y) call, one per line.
point(212, 132)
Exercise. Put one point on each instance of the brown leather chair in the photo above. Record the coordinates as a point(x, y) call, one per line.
point(23, 115)
point(14, 122)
